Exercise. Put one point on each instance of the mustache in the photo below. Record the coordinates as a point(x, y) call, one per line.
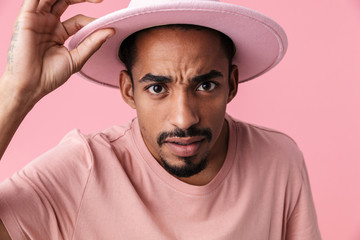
point(190, 132)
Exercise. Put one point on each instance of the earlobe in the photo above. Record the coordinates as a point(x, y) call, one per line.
point(126, 88)
point(233, 82)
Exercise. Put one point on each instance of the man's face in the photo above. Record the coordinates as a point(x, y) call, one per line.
point(181, 86)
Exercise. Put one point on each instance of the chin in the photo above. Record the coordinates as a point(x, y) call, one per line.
point(187, 168)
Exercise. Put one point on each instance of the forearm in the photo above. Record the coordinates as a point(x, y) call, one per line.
point(13, 109)
point(37, 48)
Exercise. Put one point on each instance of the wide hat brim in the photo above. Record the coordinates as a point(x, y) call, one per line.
point(260, 42)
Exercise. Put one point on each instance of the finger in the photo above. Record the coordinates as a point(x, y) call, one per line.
point(61, 5)
point(88, 47)
point(74, 24)
point(30, 5)
point(45, 5)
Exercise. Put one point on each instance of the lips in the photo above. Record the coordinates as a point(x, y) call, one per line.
point(184, 147)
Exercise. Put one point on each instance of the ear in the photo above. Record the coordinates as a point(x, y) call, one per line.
point(126, 88)
point(233, 82)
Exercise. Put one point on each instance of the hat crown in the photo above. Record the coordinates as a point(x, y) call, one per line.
point(260, 42)
point(143, 3)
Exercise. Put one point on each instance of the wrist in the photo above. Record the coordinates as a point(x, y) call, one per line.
point(13, 97)
point(13, 109)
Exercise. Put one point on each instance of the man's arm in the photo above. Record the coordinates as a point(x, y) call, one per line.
point(38, 62)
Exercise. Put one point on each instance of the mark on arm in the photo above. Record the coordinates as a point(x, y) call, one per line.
point(14, 39)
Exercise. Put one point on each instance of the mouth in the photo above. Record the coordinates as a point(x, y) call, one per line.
point(184, 147)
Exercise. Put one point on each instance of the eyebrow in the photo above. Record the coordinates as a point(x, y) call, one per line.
point(207, 76)
point(154, 78)
point(163, 79)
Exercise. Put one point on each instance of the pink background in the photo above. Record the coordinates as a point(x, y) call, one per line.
point(313, 95)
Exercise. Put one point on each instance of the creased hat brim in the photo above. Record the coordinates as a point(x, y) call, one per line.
point(260, 42)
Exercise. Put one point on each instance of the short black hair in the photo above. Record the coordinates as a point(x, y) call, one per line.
point(127, 51)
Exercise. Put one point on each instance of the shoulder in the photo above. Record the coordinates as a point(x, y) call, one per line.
point(259, 135)
point(268, 146)
point(75, 154)
point(51, 189)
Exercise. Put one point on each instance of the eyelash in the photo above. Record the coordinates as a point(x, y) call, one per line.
point(155, 85)
point(214, 85)
point(148, 88)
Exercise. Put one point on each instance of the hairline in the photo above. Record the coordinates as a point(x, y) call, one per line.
point(130, 54)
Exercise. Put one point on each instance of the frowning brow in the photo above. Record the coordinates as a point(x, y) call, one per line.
point(154, 78)
point(207, 76)
point(197, 79)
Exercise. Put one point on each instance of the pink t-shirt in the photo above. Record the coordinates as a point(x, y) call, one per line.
point(108, 186)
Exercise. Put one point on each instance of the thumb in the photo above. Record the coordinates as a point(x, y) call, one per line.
point(88, 47)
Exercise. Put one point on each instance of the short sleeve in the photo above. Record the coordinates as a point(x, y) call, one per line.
point(42, 200)
point(302, 224)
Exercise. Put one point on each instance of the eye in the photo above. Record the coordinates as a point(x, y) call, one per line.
point(156, 89)
point(206, 86)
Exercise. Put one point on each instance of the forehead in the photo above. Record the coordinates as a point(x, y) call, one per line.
point(178, 50)
point(173, 36)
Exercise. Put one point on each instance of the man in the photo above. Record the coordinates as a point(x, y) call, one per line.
point(183, 169)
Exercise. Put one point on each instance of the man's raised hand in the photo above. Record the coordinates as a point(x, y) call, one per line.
point(37, 60)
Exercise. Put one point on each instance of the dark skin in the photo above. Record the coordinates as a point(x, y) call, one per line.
point(37, 47)
point(182, 80)
point(4, 235)
point(190, 84)
point(202, 103)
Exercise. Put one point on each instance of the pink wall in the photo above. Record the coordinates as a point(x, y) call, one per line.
point(313, 95)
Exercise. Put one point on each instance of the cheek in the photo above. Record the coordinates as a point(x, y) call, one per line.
point(213, 114)
point(147, 135)
point(150, 112)
point(214, 107)
point(149, 125)
point(151, 119)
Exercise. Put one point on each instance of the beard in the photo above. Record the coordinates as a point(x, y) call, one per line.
point(189, 168)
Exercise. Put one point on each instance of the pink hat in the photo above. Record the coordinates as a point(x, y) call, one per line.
point(260, 42)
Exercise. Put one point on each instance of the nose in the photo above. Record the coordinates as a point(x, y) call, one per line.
point(183, 113)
